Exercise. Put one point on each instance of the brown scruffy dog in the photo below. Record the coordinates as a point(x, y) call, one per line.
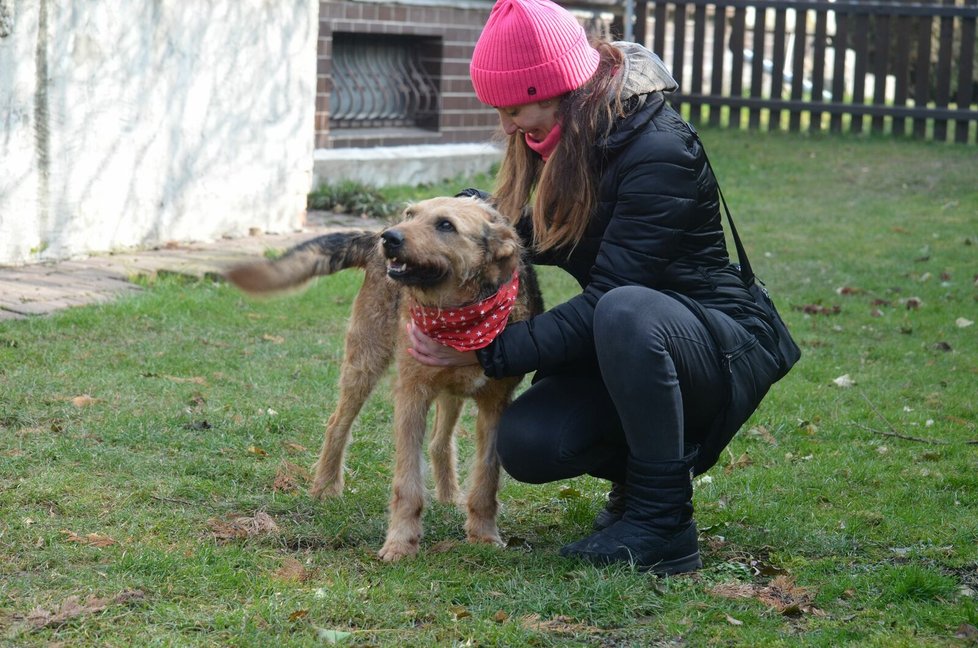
point(445, 253)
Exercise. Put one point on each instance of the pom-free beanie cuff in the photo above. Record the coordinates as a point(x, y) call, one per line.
point(530, 50)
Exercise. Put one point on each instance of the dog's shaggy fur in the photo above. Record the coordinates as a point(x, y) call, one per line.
point(445, 252)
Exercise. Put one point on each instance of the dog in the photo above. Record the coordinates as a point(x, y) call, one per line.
point(445, 253)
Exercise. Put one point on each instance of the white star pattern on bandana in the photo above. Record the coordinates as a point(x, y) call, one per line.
point(467, 328)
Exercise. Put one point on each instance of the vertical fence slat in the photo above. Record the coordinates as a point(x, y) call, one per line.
point(881, 56)
point(818, 68)
point(840, 44)
point(942, 93)
point(699, 44)
point(757, 65)
point(777, 71)
point(641, 21)
point(716, 81)
point(901, 69)
point(922, 81)
point(737, 62)
point(966, 69)
point(659, 30)
point(798, 66)
point(679, 45)
point(861, 50)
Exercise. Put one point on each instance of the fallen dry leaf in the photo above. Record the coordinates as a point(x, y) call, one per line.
point(274, 339)
point(83, 401)
point(819, 309)
point(966, 631)
point(781, 594)
point(962, 322)
point(742, 461)
point(293, 571)
point(91, 539)
point(293, 447)
point(844, 381)
point(72, 607)
point(443, 546)
point(734, 622)
point(242, 527)
point(459, 612)
point(290, 477)
point(560, 625)
point(195, 380)
point(762, 433)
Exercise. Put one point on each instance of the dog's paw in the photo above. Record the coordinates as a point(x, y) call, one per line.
point(394, 550)
point(322, 489)
point(483, 533)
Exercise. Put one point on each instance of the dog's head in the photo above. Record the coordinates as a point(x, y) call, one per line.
point(451, 250)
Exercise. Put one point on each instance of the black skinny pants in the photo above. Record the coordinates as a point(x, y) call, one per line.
point(657, 385)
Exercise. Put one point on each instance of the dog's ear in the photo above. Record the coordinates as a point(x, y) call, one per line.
point(503, 246)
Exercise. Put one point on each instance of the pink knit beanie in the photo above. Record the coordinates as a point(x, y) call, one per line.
point(530, 50)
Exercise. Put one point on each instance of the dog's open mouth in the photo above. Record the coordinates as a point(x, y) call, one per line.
point(407, 273)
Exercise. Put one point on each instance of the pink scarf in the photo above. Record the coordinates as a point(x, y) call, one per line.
point(467, 328)
point(549, 143)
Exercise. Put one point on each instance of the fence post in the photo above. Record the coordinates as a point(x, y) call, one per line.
point(757, 65)
point(840, 43)
point(777, 73)
point(942, 95)
point(798, 66)
point(818, 69)
point(716, 82)
point(902, 72)
point(881, 54)
point(966, 69)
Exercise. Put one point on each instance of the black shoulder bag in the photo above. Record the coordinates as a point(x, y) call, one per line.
point(788, 350)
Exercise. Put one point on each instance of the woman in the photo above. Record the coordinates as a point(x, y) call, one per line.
point(645, 375)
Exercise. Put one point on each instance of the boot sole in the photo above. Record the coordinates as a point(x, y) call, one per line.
point(683, 565)
point(689, 563)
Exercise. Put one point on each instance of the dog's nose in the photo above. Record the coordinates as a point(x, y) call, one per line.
point(393, 240)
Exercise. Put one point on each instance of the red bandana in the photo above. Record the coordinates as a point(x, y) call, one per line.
point(467, 328)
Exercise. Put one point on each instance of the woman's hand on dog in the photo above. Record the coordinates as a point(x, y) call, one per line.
point(428, 352)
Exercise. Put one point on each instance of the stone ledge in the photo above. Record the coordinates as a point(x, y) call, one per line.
point(402, 165)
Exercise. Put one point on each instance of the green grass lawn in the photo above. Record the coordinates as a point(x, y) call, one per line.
point(154, 454)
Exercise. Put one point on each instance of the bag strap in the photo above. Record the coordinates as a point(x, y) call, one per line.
point(745, 268)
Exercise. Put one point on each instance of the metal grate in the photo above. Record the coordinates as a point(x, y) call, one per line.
point(384, 81)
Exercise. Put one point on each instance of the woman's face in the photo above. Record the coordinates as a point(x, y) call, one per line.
point(535, 119)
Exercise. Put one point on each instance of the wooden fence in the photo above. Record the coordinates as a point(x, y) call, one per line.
point(848, 66)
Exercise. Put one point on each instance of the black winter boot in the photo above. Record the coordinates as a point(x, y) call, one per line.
point(656, 531)
point(613, 509)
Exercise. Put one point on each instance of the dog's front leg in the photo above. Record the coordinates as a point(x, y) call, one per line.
point(367, 352)
point(442, 448)
point(407, 496)
point(480, 525)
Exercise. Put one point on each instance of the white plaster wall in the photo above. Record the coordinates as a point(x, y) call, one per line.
point(133, 123)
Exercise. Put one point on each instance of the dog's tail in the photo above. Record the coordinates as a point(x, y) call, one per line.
point(322, 255)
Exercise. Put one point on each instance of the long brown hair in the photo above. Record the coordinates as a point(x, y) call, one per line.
point(566, 186)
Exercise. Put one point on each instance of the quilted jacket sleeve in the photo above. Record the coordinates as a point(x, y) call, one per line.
point(649, 196)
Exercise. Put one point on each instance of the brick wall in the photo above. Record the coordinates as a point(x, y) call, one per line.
point(463, 118)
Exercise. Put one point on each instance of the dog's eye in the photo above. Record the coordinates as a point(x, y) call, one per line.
point(445, 225)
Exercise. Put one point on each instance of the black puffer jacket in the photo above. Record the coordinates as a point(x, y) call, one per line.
point(658, 225)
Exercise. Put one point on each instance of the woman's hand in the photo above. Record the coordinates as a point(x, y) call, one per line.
point(428, 352)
